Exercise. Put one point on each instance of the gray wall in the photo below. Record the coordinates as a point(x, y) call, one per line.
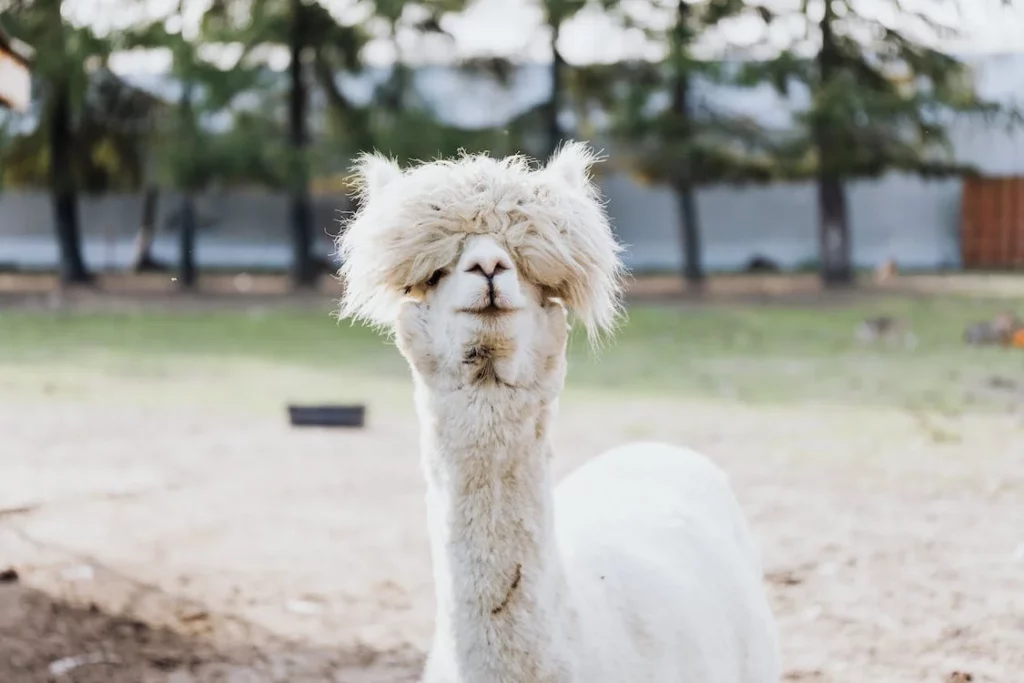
point(237, 229)
point(899, 217)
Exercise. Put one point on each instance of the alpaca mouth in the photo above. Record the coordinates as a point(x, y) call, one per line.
point(491, 306)
point(489, 310)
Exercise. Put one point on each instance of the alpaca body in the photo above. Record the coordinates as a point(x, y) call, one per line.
point(638, 568)
point(664, 574)
point(655, 579)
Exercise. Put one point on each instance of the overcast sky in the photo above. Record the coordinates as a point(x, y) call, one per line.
point(513, 28)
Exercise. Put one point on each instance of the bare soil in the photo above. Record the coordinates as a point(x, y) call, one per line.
point(177, 546)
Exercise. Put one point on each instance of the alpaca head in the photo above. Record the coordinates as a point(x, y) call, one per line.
point(474, 261)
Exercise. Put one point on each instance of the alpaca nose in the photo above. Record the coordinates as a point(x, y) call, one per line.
point(488, 265)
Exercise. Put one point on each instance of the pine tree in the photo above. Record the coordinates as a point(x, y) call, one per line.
point(880, 100)
point(678, 141)
point(62, 55)
point(314, 38)
point(189, 156)
point(556, 13)
point(402, 122)
point(303, 270)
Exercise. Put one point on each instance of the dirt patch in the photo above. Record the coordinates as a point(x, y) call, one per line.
point(185, 546)
point(46, 640)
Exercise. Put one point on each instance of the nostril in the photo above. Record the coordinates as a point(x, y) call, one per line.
point(488, 270)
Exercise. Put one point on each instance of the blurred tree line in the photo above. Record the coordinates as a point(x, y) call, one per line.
point(868, 98)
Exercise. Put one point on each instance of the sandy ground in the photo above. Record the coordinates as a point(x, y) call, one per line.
point(182, 546)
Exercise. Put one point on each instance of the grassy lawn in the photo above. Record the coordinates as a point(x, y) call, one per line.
point(750, 353)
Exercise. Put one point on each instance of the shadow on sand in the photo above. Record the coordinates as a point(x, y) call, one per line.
point(46, 639)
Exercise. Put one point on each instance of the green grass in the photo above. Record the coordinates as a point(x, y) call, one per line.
point(749, 353)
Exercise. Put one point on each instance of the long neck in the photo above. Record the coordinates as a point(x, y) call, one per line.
point(501, 590)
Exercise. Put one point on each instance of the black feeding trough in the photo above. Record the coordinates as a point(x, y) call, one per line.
point(327, 416)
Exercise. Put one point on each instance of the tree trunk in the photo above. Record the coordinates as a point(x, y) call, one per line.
point(689, 222)
point(555, 102)
point(834, 233)
point(143, 261)
point(62, 185)
point(303, 271)
point(689, 236)
point(187, 243)
point(835, 251)
point(187, 236)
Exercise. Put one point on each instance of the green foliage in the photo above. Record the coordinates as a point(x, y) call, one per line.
point(24, 160)
point(109, 118)
point(110, 134)
point(395, 121)
point(62, 52)
point(243, 147)
point(557, 12)
point(414, 134)
point(880, 99)
point(663, 134)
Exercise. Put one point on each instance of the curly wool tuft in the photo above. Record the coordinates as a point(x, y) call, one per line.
point(414, 222)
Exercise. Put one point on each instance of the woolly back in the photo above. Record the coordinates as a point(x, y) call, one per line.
point(414, 222)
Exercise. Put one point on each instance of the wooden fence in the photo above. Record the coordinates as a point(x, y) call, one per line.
point(992, 223)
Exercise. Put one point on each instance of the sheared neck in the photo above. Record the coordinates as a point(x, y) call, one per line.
point(501, 589)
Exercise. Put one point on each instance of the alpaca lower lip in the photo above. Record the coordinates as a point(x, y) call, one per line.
point(488, 310)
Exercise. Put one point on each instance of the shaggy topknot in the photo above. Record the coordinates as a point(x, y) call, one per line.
point(414, 222)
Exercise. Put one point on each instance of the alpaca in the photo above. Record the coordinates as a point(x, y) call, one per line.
point(639, 566)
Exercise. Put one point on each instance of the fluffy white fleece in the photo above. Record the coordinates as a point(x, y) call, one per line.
point(638, 567)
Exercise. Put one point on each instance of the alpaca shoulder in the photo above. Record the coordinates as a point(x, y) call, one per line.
point(659, 560)
point(654, 498)
point(664, 485)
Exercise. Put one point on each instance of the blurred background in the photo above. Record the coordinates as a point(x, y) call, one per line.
point(822, 203)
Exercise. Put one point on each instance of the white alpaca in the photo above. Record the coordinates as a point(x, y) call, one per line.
point(638, 567)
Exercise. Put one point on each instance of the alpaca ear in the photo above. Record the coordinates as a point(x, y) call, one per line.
point(374, 172)
point(580, 245)
point(571, 163)
point(364, 255)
